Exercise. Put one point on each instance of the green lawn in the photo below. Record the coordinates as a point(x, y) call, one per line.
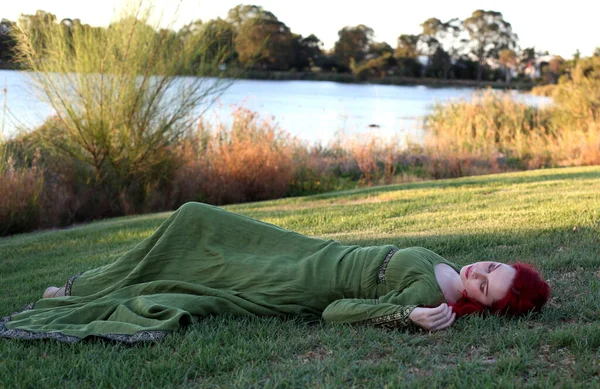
point(550, 218)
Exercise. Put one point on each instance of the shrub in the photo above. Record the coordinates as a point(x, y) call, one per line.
point(120, 105)
point(20, 189)
point(249, 160)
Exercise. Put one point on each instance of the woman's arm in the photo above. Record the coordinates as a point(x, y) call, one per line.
point(370, 312)
point(396, 309)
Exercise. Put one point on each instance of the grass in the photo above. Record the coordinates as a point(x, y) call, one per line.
point(550, 218)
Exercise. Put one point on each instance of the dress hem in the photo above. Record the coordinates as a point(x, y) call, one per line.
point(138, 337)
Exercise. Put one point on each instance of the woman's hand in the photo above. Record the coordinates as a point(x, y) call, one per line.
point(433, 319)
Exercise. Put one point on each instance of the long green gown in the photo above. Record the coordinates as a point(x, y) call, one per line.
point(204, 261)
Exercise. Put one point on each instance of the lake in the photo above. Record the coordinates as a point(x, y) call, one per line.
point(311, 110)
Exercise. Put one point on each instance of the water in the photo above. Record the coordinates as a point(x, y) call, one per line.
point(311, 110)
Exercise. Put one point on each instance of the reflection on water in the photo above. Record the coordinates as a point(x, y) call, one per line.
point(311, 110)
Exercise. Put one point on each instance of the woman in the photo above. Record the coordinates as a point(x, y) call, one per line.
point(204, 261)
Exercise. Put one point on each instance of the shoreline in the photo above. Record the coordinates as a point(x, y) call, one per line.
point(348, 78)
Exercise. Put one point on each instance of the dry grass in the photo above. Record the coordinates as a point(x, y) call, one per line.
point(248, 160)
point(544, 90)
point(495, 133)
point(20, 190)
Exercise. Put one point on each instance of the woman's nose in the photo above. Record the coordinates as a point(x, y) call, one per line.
point(476, 274)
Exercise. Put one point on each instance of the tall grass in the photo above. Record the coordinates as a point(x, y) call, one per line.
point(20, 191)
point(489, 132)
point(493, 132)
point(119, 103)
point(377, 155)
point(248, 160)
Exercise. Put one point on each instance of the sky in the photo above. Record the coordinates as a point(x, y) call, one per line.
point(560, 28)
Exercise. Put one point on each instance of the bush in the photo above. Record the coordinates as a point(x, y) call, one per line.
point(120, 104)
point(20, 189)
point(249, 160)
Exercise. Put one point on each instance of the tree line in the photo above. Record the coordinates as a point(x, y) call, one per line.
point(482, 46)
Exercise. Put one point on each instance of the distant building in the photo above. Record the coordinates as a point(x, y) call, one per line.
point(533, 69)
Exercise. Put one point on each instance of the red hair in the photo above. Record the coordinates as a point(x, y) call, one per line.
point(528, 293)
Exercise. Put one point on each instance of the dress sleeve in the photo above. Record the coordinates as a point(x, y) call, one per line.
point(391, 310)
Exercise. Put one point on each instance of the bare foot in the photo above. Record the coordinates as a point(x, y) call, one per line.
point(53, 291)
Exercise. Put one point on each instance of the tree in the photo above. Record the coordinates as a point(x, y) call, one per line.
point(353, 44)
point(379, 49)
point(192, 28)
point(508, 59)
point(377, 66)
point(407, 54)
point(437, 41)
point(440, 64)
point(261, 39)
point(407, 46)
point(430, 36)
point(553, 70)
point(7, 43)
point(526, 58)
point(307, 51)
point(218, 34)
point(489, 34)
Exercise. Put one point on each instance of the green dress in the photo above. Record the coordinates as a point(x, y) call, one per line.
point(204, 261)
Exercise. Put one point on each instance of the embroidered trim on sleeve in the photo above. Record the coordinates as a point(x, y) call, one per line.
point(396, 320)
point(383, 267)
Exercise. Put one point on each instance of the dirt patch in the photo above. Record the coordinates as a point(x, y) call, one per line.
point(315, 355)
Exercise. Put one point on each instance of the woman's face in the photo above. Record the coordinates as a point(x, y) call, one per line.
point(487, 282)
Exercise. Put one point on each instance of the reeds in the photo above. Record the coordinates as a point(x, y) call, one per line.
point(493, 132)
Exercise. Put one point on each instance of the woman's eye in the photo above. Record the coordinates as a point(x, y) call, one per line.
point(481, 286)
point(490, 268)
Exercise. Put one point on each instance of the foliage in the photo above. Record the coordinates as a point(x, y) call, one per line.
point(485, 131)
point(439, 42)
point(218, 35)
point(307, 51)
point(508, 59)
point(7, 43)
point(407, 46)
point(249, 160)
point(353, 44)
point(578, 99)
point(252, 37)
point(118, 100)
point(494, 132)
point(377, 67)
point(20, 189)
point(261, 39)
point(489, 34)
